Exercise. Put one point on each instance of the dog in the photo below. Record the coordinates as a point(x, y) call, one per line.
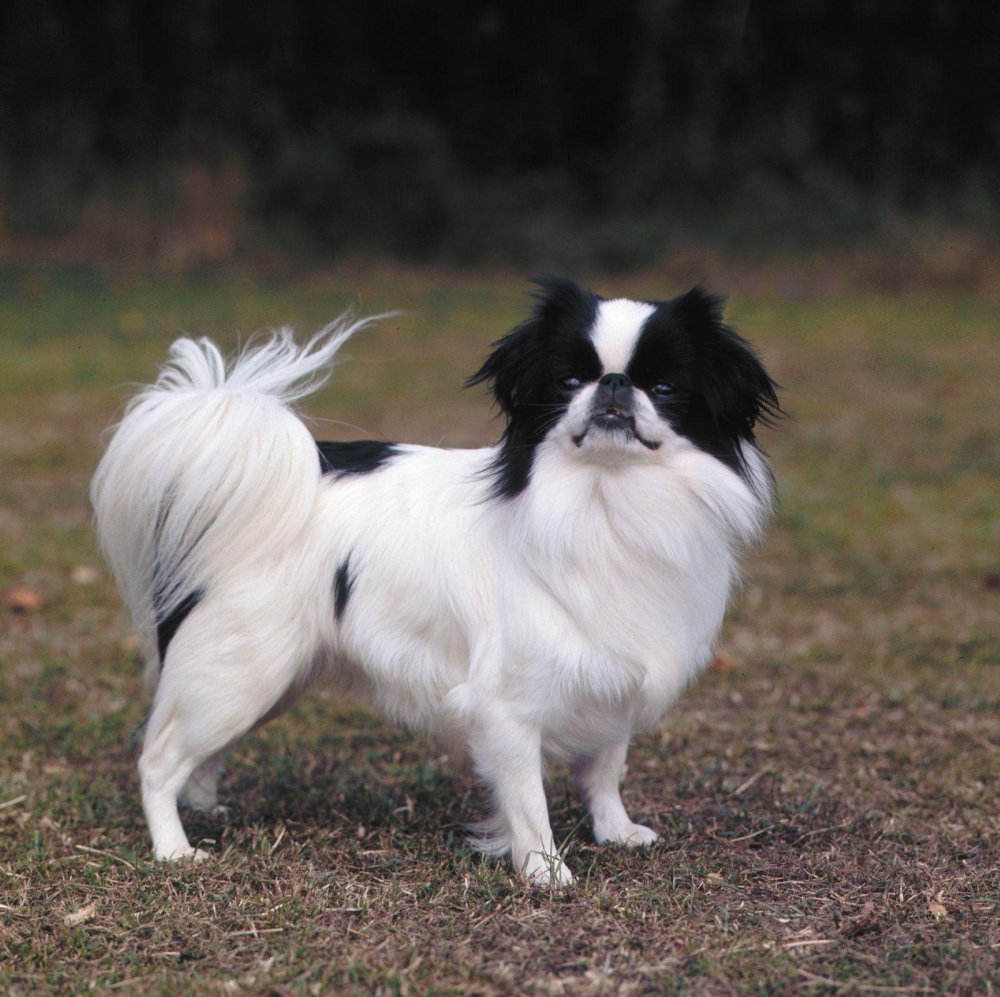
point(541, 599)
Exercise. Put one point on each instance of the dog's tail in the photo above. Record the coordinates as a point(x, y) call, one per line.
point(208, 471)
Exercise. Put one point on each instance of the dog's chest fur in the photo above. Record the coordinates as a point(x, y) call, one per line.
point(621, 589)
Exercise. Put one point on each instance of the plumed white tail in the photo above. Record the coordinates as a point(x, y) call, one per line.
point(209, 470)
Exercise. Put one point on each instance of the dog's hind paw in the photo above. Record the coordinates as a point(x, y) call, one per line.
point(214, 810)
point(187, 854)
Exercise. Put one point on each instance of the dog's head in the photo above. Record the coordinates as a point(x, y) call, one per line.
point(618, 381)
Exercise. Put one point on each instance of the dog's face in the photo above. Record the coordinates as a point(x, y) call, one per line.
point(620, 381)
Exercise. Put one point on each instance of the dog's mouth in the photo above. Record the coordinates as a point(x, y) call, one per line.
point(612, 419)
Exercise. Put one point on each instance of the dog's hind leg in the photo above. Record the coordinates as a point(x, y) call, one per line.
point(212, 691)
point(201, 791)
point(164, 767)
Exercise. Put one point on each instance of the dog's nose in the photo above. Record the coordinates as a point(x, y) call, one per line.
point(616, 381)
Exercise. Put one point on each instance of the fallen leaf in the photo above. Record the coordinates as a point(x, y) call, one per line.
point(80, 916)
point(22, 599)
point(83, 574)
point(937, 909)
point(723, 662)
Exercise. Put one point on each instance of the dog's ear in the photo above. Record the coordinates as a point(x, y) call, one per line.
point(505, 371)
point(514, 368)
point(736, 389)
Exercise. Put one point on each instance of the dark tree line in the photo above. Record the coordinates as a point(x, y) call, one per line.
point(403, 111)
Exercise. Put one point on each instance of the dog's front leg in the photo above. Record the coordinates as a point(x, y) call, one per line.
point(508, 755)
point(600, 777)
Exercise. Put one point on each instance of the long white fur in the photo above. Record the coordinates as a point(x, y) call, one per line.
point(552, 624)
point(167, 504)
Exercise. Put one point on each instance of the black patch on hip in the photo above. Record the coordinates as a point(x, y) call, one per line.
point(167, 627)
point(343, 583)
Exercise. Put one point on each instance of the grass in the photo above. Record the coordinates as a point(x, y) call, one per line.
point(827, 802)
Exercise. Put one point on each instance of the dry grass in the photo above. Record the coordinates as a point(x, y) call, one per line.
point(828, 803)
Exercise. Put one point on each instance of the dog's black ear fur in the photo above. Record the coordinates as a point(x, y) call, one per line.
point(738, 392)
point(515, 369)
point(521, 374)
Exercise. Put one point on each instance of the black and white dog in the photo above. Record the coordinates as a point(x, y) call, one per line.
point(546, 597)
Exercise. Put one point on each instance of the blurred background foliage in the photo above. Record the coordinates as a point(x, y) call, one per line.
point(201, 131)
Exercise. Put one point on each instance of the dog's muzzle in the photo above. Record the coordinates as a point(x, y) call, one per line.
point(612, 410)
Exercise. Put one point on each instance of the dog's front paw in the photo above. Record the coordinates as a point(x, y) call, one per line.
point(542, 869)
point(630, 835)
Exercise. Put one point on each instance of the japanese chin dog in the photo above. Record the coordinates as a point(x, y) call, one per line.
point(543, 598)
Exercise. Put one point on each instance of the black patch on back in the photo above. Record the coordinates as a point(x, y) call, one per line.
point(167, 627)
point(720, 388)
point(525, 372)
point(343, 583)
point(355, 457)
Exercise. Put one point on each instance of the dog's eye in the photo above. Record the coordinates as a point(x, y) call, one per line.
point(662, 390)
point(570, 383)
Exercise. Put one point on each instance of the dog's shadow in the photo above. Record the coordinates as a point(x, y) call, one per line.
point(365, 779)
point(368, 782)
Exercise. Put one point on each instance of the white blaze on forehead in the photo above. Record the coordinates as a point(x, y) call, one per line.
point(616, 331)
